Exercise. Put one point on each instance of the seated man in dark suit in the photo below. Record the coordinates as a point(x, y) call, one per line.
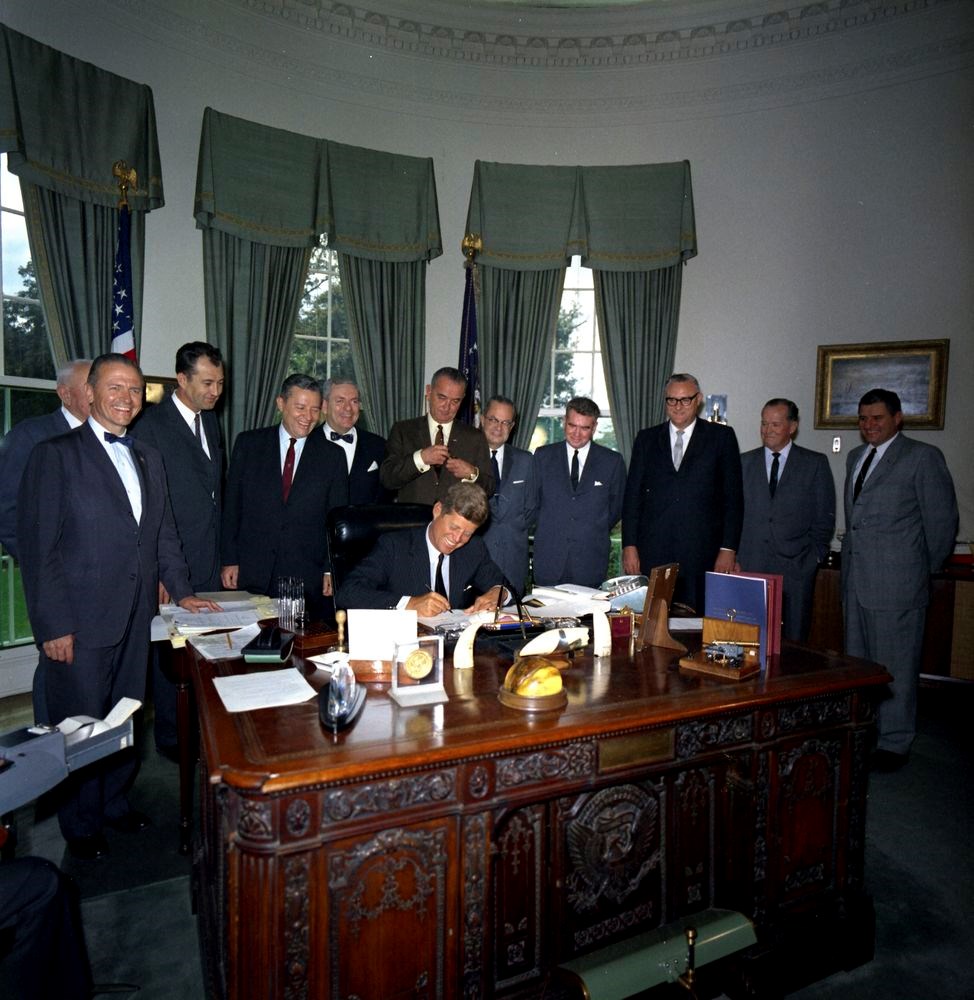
point(430, 570)
point(341, 407)
point(282, 482)
point(427, 455)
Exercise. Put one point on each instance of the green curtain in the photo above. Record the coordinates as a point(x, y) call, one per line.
point(638, 313)
point(386, 305)
point(517, 319)
point(253, 293)
point(272, 188)
point(63, 123)
point(633, 225)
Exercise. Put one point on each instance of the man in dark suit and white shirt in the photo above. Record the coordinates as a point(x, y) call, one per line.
point(16, 446)
point(341, 407)
point(426, 456)
point(184, 429)
point(514, 505)
point(430, 570)
point(684, 502)
point(900, 526)
point(282, 482)
point(789, 513)
point(95, 535)
point(581, 485)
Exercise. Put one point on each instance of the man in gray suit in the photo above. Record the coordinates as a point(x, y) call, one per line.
point(581, 489)
point(16, 446)
point(514, 505)
point(900, 526)
point(789, 513)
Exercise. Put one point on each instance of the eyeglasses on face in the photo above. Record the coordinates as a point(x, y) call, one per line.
point(681, 400)
point(499, 423)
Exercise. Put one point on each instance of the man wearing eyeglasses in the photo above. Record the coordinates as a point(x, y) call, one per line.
point(684, 501)
point(514, 505)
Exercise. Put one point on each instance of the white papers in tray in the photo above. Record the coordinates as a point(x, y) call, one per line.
point(265, 689)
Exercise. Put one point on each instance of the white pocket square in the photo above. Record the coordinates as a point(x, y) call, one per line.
point(517, 482)
point(597, 483)
point(373, 467)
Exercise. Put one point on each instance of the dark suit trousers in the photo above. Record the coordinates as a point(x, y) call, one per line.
point(91, 685)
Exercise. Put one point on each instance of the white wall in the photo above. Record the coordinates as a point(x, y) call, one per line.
point(832, 177)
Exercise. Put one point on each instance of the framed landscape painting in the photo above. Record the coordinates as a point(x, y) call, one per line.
point(916, 370)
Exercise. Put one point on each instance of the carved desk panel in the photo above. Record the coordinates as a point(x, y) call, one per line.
point(464, 849)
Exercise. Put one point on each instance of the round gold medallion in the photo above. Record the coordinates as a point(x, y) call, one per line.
point(418, 664)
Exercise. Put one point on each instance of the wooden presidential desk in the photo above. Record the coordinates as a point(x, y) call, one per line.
point(463, 850)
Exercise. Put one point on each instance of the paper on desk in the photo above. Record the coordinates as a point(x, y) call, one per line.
point(372, 634)
point(205, 621)
point(686, 624)
point(224, 645)
point(122, 710)
point(265, 689)
point(454, 620)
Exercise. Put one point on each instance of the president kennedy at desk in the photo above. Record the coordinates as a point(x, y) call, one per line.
point(432, 569)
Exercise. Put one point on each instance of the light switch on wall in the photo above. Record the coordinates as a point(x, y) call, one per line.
point(836, 444)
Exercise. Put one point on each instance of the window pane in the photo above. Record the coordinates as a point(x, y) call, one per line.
point(26, 352)
point(9, 187)
point(18, 277)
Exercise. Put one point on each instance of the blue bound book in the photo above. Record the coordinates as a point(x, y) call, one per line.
point(742, 599)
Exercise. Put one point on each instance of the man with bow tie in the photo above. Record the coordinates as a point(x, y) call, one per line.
point(95, 535)
point(341, 407)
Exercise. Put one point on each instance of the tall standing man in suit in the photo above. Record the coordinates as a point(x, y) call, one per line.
point(789, 513)
point(430, 570)
point(184, 429)
point(426, 456)
point(95, 535)
point(900, 526)
point(684, 502)
point(581, 486)
point(16, 446)
point(341, 407)
point(282, 482)
point(514, 505)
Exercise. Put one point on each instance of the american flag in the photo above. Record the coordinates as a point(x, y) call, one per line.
point(123, 336)
point(469, 363)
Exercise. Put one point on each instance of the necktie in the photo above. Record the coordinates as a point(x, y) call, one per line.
point(575, 470)
point(773, 481)
point(439, 586)
point(335, 436)
point(495, 468)
point(197, 429)
point(288, 475)
point(678, 450)
point(438, 440)
point(861, 478)
point(125, 439)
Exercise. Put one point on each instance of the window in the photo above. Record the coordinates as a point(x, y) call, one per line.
point(321, 345)
point(576, 362)
point(26, 370)
point(576, 370)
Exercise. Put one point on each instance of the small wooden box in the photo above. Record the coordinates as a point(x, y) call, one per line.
point(720, 630)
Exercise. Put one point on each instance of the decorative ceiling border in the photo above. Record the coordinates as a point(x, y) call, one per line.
point(463, 44)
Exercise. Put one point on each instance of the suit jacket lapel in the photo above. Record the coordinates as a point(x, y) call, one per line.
point(106, 467)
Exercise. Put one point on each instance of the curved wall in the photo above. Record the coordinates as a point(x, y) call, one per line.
point(830, 146)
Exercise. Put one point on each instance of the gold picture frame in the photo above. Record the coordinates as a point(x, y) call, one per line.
point(157, 387)
point(916, 370)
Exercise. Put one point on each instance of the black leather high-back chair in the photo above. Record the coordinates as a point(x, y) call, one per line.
point(353, 530)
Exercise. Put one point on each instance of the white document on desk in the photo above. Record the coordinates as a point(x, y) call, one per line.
point(373, 634)
point(224, 645)
point(206, 621)
point(264, 689)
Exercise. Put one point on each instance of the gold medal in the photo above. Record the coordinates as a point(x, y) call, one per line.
point(418, 664)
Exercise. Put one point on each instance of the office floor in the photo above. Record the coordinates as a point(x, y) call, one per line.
point(919, 868)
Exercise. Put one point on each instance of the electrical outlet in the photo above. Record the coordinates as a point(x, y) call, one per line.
point(836, 444)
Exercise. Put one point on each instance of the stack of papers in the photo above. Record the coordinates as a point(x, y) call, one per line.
point(224, 645)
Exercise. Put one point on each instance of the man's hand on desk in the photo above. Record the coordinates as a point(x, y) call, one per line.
point(428, 605)
point(630, 560)
point(61, 649)
point(326, 588)
point(163, 594)
point(229, 576)
point(197, 604)
point(726, 559)
point(486, 602)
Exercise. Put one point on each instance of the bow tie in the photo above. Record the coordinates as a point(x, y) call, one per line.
point(335, 436)
point(125, 439)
